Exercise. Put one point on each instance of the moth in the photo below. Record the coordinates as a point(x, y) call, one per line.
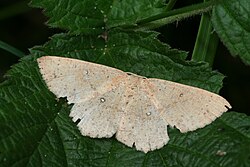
point(136, 109)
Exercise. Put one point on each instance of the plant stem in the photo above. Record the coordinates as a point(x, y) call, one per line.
point(206, 41)
point(11, 49)
point(171, 4)
point(181, 13)
point(173, 15)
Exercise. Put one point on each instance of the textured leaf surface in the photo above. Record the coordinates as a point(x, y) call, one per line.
point(36, 129)
point(231, 20)
point(93, 16)
point(137, 52)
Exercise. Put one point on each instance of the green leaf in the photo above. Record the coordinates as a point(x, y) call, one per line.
point(93, 16)
point(36, 129)
point(232, 23)
point(136, 52)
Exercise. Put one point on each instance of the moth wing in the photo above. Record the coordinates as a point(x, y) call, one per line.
point(100, 116)
point(141, 124)
point(95, 89)
point(77, 80)
point(185, 107)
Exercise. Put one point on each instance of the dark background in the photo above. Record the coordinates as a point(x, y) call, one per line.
point(23, 27)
